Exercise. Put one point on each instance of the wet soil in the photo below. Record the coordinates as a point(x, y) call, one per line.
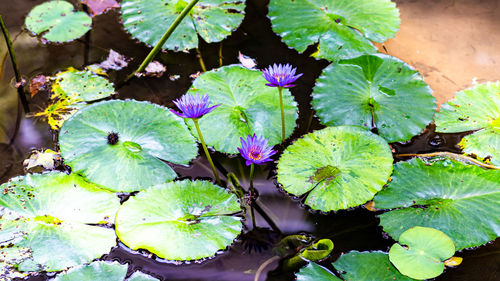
point(449, 42)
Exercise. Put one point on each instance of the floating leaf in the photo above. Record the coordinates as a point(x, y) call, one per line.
point(37, 83)
point(337, 167)
point(56, 21)
point(423, 252)
point(81, 85)
point(102, 271)
point(114, 61)
point(367, 266)
point(46, 159)
point(248, 107)
point(121, 144)
point(98, 7)
point(71, 90)
point(342, 28)
point(460, 200)
point(184, 220)
point(47, 219)
point(99, 270)
point(373, 91)
point(213, 20)
point(315, 272)
point(477, 108)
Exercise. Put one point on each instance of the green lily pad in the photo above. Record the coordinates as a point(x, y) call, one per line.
point(183, 220)
point(147, 134)
point(213, 20)
point(477, 108)
point(102, 270)
point(248, 107)
point(343, 28)
point(460, 200)
point(373, 91)
point(47, 219)
point(423, 254)
point(56, 21)
point(315, 272)
point(338, 167)
point(367, 266)
point(81, 86)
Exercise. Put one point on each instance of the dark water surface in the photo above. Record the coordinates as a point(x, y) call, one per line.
point(355, 229)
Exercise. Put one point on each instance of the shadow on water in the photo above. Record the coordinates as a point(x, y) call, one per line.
point(355, 229)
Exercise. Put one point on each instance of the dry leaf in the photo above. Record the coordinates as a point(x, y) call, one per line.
point(46, 159)
point(115, 61)
point(246, 61)
point(37, 83)
point(98, 7)
point(155, 69)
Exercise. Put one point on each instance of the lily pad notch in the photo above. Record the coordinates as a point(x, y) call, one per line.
point(181, 220)
point(342, 29)
point(57, 21)
point(122, 145)
point(336, 168)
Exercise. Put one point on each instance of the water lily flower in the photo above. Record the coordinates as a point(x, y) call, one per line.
point(255, 150)
point(193, 106)
point(281, 76)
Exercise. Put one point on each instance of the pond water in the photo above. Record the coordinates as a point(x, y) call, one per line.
point(451, 43)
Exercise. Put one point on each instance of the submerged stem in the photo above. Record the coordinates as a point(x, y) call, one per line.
point(221, 62)
point(162, 41)
point(17, 73)
point(451, 155)
point(200, 59)
point(195, 120)
point(280, 89)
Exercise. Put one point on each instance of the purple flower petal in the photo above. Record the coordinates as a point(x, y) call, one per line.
point(194, 106)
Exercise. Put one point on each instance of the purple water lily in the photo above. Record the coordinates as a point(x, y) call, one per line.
point(193, 106)
point(255, 150)
point(281, 75)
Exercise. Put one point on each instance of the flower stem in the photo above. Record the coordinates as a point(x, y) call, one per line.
point(19, 79)
point(195, 120)
point(252, 168)
point(280, 90)
point(162, 41)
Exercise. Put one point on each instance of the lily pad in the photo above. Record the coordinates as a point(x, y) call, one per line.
point(120, 145)
point(460, 200)
point(56, 21)
point(373, 91)
point(47, 219)
point(477, 108)
point(212, 20)
point(423, 254)
point(184, 220)
point(82, 85)
point(102, 270)
point(342, 28)
point(71, 90)
point(248, 107)
point(315, 272)
point(337, 167)
point(367, 266)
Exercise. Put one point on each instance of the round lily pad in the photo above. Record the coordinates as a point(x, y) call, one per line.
point(81, 86)
point(315, 272)
point(343, 29)
point(248, 107)
point(460, 200)
point(120, 145)
point(374, 91)
point(47, 219)
point(367, 266)
point(183, 220)
point(102, 270)
point(477, 108)
point(212, 20)
point(56, 21)
point(423, 252)
point(337, 167)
